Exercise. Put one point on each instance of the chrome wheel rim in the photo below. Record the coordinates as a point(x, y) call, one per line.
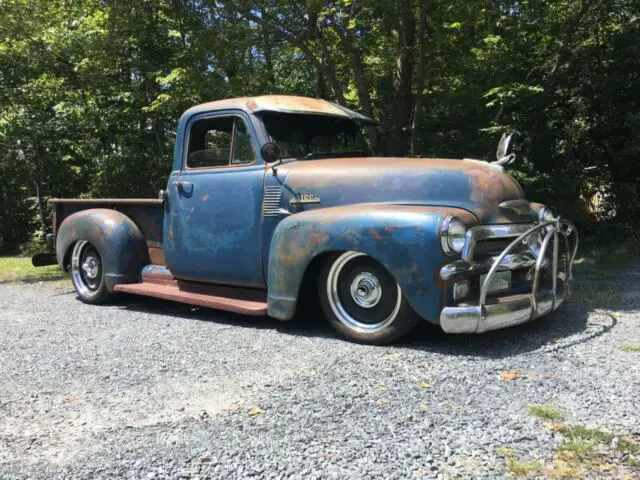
point(86, 269)
point(366, 291)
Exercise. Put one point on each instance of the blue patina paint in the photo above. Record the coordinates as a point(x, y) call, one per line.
point(216, 230)
point(402, 238)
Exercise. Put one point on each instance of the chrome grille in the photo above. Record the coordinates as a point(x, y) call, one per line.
point(271, 201)
point(480, 240)
point(494, 246)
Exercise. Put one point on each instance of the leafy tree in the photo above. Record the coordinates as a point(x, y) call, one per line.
point(90, 92)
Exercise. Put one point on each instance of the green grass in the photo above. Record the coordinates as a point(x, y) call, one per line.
point(583, 433)
point(19, 269)
point(580, 448)
point(631, 348)
point(577, 453)
point(582, 453)
point(517, 466)
point(506, 452)
point(562, 469)
point(546, 412)
point(522, 468)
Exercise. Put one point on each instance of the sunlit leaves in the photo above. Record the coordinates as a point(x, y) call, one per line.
point(90, 92)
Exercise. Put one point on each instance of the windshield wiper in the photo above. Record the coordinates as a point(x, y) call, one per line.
point(355, 153)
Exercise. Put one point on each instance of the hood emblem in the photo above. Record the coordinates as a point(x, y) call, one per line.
point(502, 156)
point(305, 199)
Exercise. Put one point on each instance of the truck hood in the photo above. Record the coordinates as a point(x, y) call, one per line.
point(472, 185)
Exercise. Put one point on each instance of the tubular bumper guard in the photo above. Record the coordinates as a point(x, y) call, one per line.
point(516, 309)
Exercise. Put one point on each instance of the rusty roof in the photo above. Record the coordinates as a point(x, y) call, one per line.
point(284, 104)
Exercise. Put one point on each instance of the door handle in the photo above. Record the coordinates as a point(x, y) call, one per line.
point(182, 185)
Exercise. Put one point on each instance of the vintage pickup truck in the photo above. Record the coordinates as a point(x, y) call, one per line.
point(273, 197)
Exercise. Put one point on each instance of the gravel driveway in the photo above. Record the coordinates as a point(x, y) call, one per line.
point(153, 389)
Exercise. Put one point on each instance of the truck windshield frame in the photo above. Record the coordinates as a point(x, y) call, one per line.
point(307, 136)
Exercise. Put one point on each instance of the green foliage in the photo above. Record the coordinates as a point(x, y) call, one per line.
point(90, 92)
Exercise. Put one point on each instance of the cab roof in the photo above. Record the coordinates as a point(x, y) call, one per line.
point(282, 104)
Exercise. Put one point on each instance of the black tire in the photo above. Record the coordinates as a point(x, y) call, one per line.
point(87, 273)
point(362, 300)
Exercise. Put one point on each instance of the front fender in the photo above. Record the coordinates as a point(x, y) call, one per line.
point(404, 239)
point(117, 238)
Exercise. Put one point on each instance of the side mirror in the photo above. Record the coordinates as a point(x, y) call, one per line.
point(270, 152)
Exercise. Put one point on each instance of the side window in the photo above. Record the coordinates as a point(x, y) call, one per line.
point(242, 150)
point(219, 142)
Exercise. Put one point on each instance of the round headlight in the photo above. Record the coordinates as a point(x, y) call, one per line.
point(453, 235)
point(457, 232)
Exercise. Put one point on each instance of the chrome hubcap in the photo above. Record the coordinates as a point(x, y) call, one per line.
point(86, 270)
point(90, 267)
point(366, 290)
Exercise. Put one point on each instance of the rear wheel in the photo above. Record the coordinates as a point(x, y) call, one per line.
point(362, 300)
point(87, 273)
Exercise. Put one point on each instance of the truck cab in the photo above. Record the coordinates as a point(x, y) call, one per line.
point(269, 194)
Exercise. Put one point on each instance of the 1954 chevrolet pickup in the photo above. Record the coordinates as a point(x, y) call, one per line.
point(272, 196)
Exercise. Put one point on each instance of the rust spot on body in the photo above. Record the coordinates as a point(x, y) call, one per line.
point(156, 255)
point(375, 233)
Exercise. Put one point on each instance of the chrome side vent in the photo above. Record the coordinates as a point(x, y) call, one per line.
point(271, 202)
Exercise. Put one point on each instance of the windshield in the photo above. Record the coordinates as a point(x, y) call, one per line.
point(305, 136)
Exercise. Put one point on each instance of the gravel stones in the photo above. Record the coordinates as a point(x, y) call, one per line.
point(151, 389)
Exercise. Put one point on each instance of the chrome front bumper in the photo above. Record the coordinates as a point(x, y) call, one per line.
point(504, 311)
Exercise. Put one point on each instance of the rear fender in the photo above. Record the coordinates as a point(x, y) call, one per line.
point(404, 239)
point(117, 238)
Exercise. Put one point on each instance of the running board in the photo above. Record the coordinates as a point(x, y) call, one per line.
point(230, 299)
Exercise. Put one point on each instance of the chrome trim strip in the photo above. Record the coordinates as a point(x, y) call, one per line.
point(444, 234)
point(536, 275)
point(459, 268)
point(554, 266)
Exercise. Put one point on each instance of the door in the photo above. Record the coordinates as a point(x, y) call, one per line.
point(213, 217)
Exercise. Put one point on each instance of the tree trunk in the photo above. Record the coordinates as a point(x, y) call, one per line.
point(41, 214)
point(158, 130)
point(348, 39)
point(401, 116)
point(321, 88)
point(420, 74)
point(268, 58)
point(362, 85)
point(38, 185)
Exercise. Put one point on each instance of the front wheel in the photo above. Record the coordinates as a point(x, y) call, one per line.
point(362, 300)
point(87, 273)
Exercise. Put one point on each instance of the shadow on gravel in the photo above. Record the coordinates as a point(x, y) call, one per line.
point(561, 330)
point(596, 290)
point(567, 327)
point(573, 324)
